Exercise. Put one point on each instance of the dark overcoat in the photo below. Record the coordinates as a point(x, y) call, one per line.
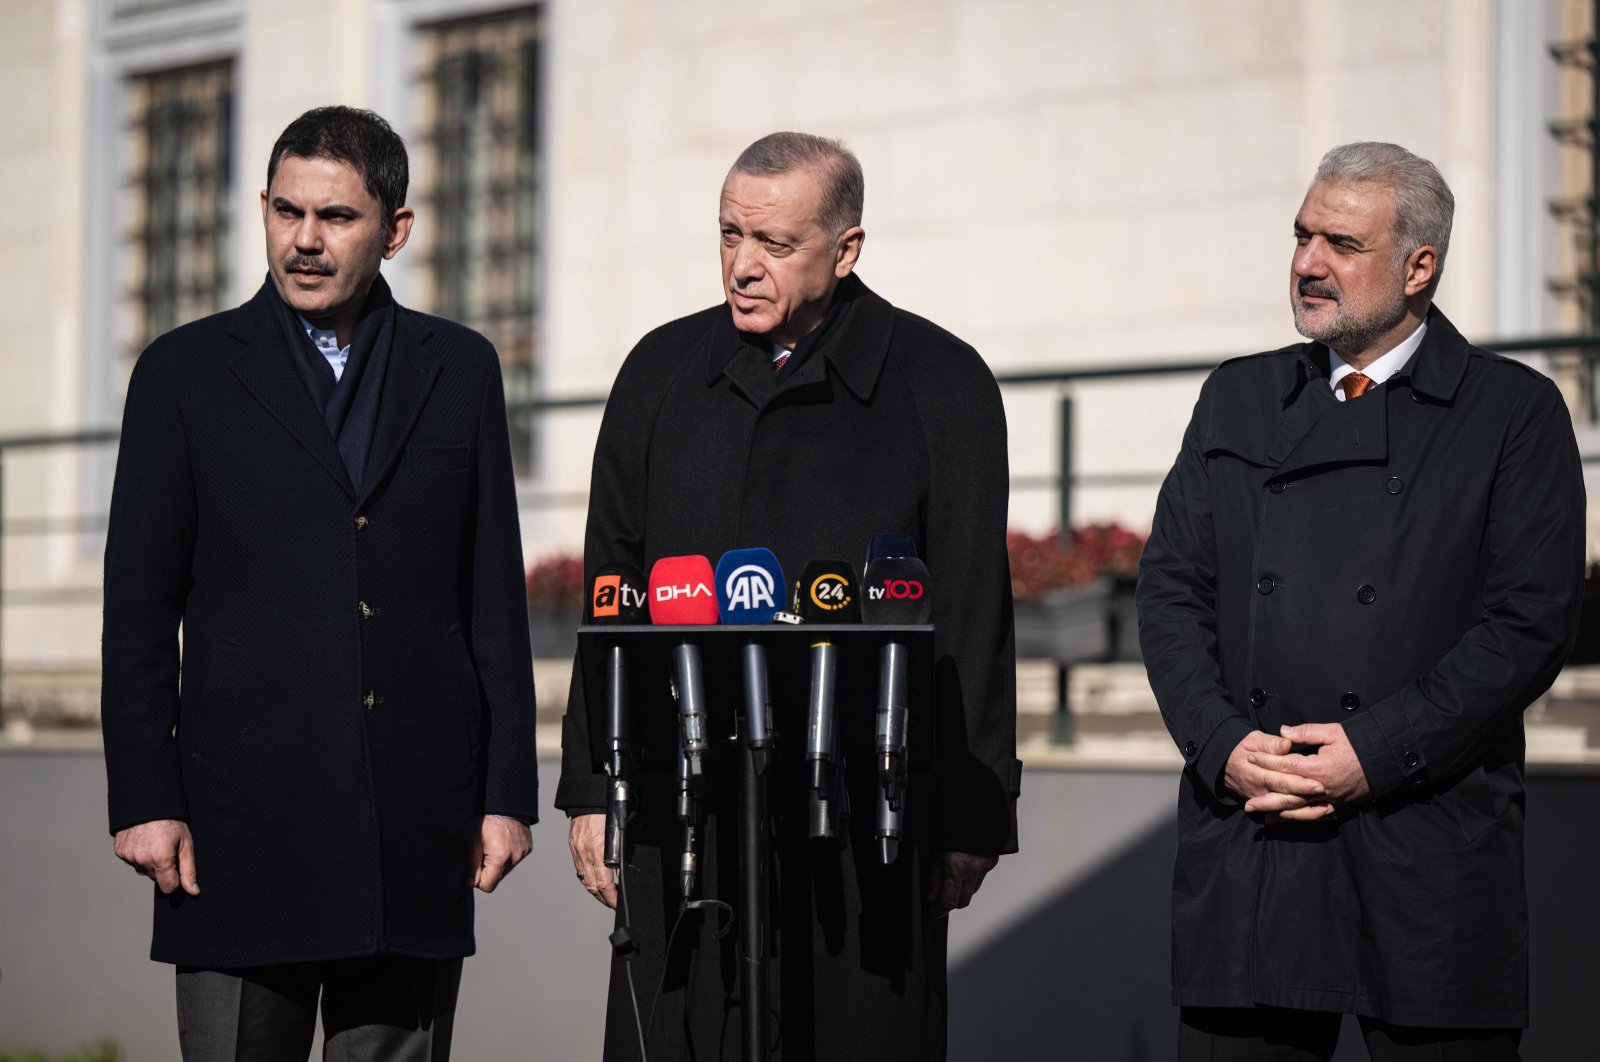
point(1408, 564)
point(356, 677)
point(889, 424)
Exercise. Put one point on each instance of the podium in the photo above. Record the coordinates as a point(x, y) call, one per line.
point(648, 652)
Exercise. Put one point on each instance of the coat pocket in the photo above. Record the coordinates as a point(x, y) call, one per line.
point(470, 701)
point(200, 706)
point(440, 458)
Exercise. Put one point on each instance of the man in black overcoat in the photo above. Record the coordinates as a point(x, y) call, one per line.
point(316, 488)
point(806, 414)
point(1366, 562)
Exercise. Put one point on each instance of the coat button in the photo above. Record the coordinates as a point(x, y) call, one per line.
point(1418, 399)
point(1412, 759)
point(361, 523)
point(367, 611)
point(1350, 702)
point(1394, 486)
point(1276, 486)
point(368, 701)
point(1366, 594)
point(1265, 585)
point(1190, 748)
point(1258, 697)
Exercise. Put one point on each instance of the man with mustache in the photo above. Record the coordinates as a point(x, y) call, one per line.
point(316, 486)
point(1366, 562)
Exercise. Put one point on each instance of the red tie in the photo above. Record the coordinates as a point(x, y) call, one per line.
point(1355, 385)
point(777, 363)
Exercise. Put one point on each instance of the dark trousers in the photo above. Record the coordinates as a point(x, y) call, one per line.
point(379, 1007)
point(1274, 1034)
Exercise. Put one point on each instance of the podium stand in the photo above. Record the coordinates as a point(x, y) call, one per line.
point(648, 650)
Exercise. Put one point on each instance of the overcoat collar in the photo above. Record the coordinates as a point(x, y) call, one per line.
point(1313, 428)
point(264, 366)
point(855, 346)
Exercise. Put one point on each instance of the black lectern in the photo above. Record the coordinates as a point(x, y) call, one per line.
point(649, 648)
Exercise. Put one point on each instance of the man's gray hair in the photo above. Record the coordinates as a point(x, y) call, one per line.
point(843, 186)
point(1423, 204)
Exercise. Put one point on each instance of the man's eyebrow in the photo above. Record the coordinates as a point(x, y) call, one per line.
point(280, 203)
point(1342, 239)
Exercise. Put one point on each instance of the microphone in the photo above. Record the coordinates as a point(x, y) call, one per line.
point(680, 595)
point(749, 582)
point(886, 545)
point(826, 594)
point(617, 597)
point(896, 591)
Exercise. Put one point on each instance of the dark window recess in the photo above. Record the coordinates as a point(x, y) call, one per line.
point(179, 184)
point(477, 164)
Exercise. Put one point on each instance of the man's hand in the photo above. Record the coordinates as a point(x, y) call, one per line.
point(1251, 774)
point(501, 844)
point(1334, 767)
point(954, 878)
point(587, 839)
point(163, 851)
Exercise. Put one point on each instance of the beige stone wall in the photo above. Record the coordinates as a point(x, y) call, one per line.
point(1060, 183)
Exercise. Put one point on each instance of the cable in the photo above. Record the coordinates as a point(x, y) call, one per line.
point(627, 920)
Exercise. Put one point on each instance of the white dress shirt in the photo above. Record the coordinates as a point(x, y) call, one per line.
point(1379, 370)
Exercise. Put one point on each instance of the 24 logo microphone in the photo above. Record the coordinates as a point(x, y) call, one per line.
point(751, 586)
point(830, 591)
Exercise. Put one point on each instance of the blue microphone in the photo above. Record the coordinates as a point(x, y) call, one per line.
point(888, 545)
point(750, 590)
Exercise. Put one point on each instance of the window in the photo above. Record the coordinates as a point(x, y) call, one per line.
point(181, 130)
point(477, 176)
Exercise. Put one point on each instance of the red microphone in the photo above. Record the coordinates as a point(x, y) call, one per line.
point(681, 594)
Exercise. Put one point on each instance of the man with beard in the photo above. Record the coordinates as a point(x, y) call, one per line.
point(806, 414)
point(1366, 562)
point(316, 486)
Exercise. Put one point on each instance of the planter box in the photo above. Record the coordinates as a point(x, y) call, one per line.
point(1094, 623)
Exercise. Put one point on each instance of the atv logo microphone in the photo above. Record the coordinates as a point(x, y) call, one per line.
point(748, 584)
point(680, 591)
point(618, 595)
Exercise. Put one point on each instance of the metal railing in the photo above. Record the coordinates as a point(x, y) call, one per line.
point(1574, 360)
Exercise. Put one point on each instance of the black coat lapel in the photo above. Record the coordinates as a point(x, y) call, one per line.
point(412, 373)
point(266, 370)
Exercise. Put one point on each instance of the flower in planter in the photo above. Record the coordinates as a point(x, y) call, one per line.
point(1044, 563)
point(555, 585)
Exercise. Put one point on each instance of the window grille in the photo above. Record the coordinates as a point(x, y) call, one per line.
point(477, 174)
point(180, 182)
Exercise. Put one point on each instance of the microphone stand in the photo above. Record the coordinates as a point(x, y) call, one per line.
point(754, 742)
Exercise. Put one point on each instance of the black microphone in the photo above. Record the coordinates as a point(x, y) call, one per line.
point(826, 594)
point(617, 596)
point(895, 590)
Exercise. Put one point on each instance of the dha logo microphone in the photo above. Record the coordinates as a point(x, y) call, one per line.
point(680, 591)
point(618, 595)
point(749, 586)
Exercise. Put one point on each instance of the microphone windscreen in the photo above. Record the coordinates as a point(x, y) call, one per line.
point(885, 545)
point(895, 590)
point(680, 591)
point(748, 584)
point(618, 595)
point(826, 593)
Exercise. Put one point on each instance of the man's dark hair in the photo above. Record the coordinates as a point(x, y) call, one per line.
point(354, 136)
point(844, 188)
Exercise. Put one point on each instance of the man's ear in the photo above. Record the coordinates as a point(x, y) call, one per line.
point(399, 231)
point(1421, 267)
point(846, 249)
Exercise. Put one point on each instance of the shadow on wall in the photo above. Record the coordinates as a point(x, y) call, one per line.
point(1085, 977)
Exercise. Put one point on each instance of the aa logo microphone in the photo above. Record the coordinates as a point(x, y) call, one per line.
point(749, 586)
point(618, 595)
point(680, 591)
point(826, 593)
point(895, 590)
